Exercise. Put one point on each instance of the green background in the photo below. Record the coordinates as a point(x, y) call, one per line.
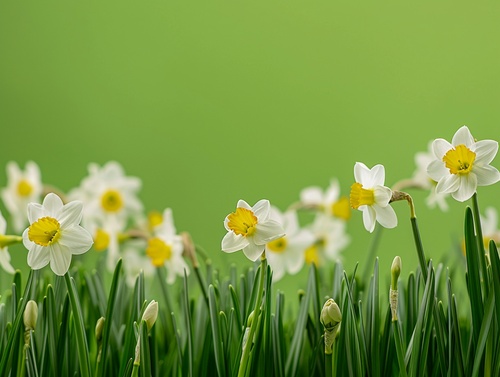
point(212, 101)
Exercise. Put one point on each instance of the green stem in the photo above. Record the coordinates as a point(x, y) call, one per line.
point(480, 244)
point(253, 327)
point(135, 370)
point(81, 339)
point(202, 284)
point(419, 246)
point(399, 349)
point(22, 373)
point(371, 252)
point(328, 365)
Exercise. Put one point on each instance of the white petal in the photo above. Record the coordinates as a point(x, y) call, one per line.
point(295, 260)
point(486, 150)
point(28, 244)
point(35, 211)
point(290, 222)
point(463, 136)
point(232, 242)
point(14, 174)
point(53, 205)
point(468, 186)
point(440, 147)
point(448, 184)
point(361, 173)
point(3, 224)
point(369, 217)
point(377, 176)
point(311, 195)
point(5, 261)
point(261, 209)
point(60, 258)
point(486, 175)
point(332, 192)
point(253, 251)
point(277, 263)
point(242, 204)
point(437, 170)
point(71, 213)
point(382, 195)
point(77, 239)
point(386, 216)
point(38, 256)
point(267, 231)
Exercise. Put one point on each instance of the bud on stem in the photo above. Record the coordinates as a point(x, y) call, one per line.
point(331, 317)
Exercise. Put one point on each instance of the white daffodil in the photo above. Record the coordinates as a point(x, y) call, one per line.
point(4, 250)
point(330, 202)
point(422, 180)
point(106, 232)
point(54, 234)
point(250, 228)
point(370, 196)
point(286, 254)
point(463, 165)
point(330, 238)
point(22, 188)
point(134, 262)
point(108, 193)
point(165, 248)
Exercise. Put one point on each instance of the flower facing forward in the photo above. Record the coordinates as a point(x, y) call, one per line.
point(463, 165)
point(370, 195)
point(54, 234)
point(250, 228)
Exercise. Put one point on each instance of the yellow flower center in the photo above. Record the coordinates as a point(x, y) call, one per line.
point(312, 255)
point(243, 222)
point(111, 201)
point(361, 196)
point(101, 240)
point(277, 246)
point(158, 251)
point(341, 208)
point(45, 231)
point(459, 160)
point(155, 218)
point(24, 188)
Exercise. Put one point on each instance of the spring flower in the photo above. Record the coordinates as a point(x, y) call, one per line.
point(134, 262)
point(4, 251)
point(463, 165)
point(286, 254)
point(54, 234)
point(330, 239)
point(165, 248)
point(330, 202)
point(250, 229)
point(22, 188)
point(370, 195)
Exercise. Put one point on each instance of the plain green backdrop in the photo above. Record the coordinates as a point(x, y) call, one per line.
point(212, 101)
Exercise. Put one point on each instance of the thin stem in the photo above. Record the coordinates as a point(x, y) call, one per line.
point(399, 349)
point(253, 327)
point(480, 243)
point(328, 365)
point(419, 246)
point(81, 339)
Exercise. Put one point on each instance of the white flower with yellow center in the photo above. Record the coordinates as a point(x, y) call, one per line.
point(54, 234)
point(4, 250)
point(250, 229)
point(463, 165)
point(286, 254)
point(108, 193)
point(330, 202)
point(165, 248)
point(370, 196)
point(22, 188)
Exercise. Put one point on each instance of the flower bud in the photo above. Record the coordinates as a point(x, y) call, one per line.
point(330, 314)
point(395, 272)
point(30, 315)
point(98, 329)
point(150, 314)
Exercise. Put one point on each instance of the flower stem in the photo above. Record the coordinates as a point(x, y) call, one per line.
point(480, 243)
point(258, 303)
point(328, 365)
point(81, 339)
point(419, 246)
point(399, 349)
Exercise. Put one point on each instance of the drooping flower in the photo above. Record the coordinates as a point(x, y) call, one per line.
point(22, 188)
point(286, 254)
point(369, 195)
point(4, 250)
point(330, 202)
point(330, 238)
point(165, 248)
point(54, 234)
point(463, 165)
point(250, 229)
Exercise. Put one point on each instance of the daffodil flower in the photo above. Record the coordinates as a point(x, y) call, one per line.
point(370, 196)
point(22, 188)
point(4, 251)
point(54, 234)
point(330, 239)
point(250, 229)
point(463, 165)
point(330, 202)
point(286, 254)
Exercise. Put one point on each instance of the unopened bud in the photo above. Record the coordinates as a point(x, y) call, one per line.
point(98, 329)
point(150, 314)
point(30, 315)
point(395, 272)
point(330, 314)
